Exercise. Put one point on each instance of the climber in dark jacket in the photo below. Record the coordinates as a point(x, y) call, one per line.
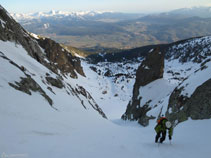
point(162, 126)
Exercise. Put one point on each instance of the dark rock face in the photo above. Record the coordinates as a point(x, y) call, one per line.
point(151, 69)
point(62, 59)
point(27, 85)
point(10, 30)
point(55, 82)
point(82, 91)
point(198, 106)
point(108, 73)
point(180, 107)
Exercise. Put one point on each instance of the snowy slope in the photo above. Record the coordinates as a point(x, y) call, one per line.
point(110, 92)
point(14, 53)
point(161, 89)
point(70, 127)
point(187, 67)
point(24, 117)
point(32, 128)
point(199, 61)
point(113, 92)
point(51, 134)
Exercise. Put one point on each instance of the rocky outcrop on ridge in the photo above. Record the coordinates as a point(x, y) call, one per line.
point(149, 70)
point(183, 92)
point(198, 106)
point(58, 64)
point(10, 30)
point(61, 58)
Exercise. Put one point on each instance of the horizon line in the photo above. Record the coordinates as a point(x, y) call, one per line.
point(112, 11)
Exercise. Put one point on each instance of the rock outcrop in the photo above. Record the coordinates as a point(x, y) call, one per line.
point(149, 70)
point(184, 92)
point(60, 65)
point(198, 106)
point(61, 58)
point(10, 30)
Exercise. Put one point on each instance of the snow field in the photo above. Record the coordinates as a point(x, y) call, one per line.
point(30, 126)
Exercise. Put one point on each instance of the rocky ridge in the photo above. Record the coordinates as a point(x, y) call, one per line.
point(150, 70)
point(182, 90)
point(60, 67)
point(61, 58)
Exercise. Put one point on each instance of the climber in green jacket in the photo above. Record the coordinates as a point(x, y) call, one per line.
point(162, 126)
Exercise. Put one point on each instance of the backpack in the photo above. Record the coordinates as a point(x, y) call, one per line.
point(161, 119)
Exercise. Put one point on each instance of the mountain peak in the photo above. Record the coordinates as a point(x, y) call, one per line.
point(54, 13)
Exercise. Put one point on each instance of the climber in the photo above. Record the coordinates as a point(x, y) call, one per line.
point(162, 125)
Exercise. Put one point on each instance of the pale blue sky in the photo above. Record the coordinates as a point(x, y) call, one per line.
point(139, 6)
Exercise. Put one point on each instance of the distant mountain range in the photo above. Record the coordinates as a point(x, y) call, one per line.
point(81, 15)
point(203, 12)
point(118, 30)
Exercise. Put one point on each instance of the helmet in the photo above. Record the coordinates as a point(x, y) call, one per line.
point(168, 124)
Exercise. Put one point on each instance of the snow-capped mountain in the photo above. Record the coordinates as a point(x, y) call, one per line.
point(53, 104)
point(56, 14)
point(203, 12)
point(80, 15)
point(115, 30)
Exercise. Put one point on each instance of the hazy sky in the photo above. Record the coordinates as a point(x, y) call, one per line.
point(140, 6)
